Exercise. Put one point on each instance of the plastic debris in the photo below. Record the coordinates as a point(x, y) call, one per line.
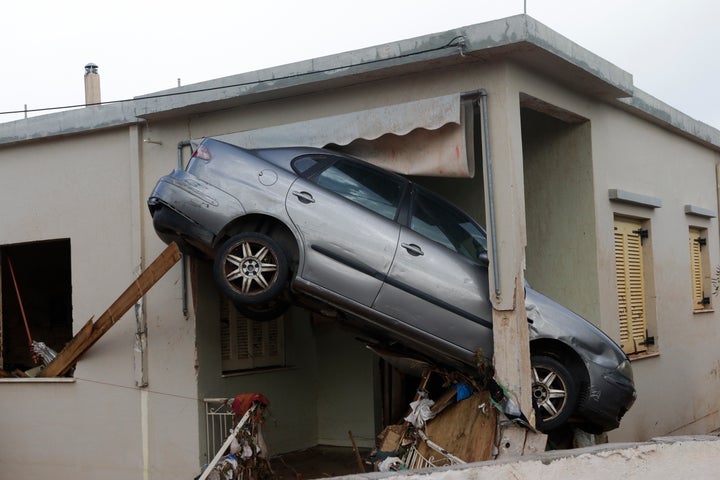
point(391, 464)
point(421, 412)
point(463, 391)
point(45, 353)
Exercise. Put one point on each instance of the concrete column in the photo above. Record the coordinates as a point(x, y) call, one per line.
point(504, 169)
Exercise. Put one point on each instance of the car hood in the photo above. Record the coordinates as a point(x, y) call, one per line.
point(549, 319)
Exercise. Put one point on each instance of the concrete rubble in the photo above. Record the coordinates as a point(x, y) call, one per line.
point(696, 457)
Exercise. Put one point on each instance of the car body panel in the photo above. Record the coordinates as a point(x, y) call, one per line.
point(439, 292)
point(347, 250)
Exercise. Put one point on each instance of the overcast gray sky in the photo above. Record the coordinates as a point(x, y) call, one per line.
point(142, 46)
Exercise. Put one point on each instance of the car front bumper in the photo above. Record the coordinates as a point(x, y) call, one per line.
point(608, 398)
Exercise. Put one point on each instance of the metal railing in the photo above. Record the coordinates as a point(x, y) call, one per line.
point(218, 423)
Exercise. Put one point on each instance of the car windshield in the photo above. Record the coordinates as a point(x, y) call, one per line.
point(446, 225)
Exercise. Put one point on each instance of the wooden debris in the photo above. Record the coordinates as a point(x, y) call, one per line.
point(357, 452)
point(466, 429)
point(91, 332)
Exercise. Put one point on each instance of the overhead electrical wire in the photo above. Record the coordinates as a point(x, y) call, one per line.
point(457, 41)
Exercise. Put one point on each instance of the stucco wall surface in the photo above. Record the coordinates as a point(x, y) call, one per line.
point(669, 457)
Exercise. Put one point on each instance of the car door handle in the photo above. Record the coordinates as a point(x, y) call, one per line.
point(304, 197)
point(412, 249)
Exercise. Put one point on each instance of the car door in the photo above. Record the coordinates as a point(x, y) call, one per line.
point(437, 282)
point(345, 211)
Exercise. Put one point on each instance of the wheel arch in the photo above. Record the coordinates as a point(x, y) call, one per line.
point(268, 225)
point(565, 354)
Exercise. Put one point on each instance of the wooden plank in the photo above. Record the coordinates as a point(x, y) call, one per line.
point(72, 349)
point(92, 332)
point(465, 429)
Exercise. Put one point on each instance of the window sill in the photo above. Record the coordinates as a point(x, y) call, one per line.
point(256, 371)
point(642, 356)
point(38, 380)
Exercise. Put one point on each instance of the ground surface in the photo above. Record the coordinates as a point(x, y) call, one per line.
point(317, 462)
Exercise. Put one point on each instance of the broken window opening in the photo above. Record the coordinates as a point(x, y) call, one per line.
point(43, 276)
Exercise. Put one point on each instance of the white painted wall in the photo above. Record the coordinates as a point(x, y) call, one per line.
point(81, 188)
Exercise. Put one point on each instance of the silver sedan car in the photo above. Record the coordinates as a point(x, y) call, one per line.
point(286, 224)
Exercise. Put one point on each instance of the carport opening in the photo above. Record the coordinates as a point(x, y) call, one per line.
point(40, 275)
point(559, 205)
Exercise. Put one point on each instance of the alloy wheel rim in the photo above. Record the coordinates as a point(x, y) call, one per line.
point(549, 392)
point(251, 267)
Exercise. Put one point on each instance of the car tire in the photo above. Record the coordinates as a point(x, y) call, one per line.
point(250, 268)
point(263, 312)
point(554, 392)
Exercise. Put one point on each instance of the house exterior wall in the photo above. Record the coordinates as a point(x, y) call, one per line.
point(631, 154)
point(677, 389)
point(99, 424)
point(91, 188)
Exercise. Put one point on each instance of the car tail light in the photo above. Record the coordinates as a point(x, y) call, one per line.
point(202, 152)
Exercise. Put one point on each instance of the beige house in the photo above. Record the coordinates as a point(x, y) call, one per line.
point(613, 192)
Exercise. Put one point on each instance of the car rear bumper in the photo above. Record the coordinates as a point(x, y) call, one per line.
point(607, 400)
point(172, 226)
point(190, 212)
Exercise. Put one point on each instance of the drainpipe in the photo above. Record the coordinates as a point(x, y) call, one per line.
point(183, 263)
point(717, 187)
point(490, 186)
point(481, 97)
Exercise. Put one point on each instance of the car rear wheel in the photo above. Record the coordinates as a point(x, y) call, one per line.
point(251, 268)
point(554, 392)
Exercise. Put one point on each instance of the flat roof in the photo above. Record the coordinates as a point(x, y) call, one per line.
point(519, 37)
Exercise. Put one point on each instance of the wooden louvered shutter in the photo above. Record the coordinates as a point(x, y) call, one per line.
point(696, 270)
point(630, 285)
point(247, 344)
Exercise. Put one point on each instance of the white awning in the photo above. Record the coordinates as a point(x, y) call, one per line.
point(425, 137)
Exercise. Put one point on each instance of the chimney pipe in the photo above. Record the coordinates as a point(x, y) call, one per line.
point(92, 84)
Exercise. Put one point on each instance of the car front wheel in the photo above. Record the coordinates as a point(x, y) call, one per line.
point(251, 268)
point(554, 391)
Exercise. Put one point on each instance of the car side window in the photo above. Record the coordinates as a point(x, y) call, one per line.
point(303, 165)
point(445, 224)
point(366, 186)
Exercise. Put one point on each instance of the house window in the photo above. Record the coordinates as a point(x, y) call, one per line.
point(247, 344)
point(630, 265)
point(699, 269)
point(36, 299)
